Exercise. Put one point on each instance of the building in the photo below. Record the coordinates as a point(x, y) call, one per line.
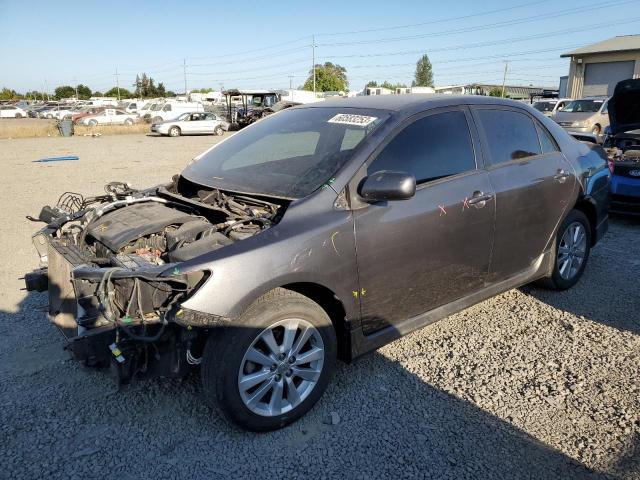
point(378, 91)
point(596, 69)
point(515, 92)
point(407, 90)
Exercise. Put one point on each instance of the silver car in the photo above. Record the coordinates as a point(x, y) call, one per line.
point(191, 123)
point(585, 115)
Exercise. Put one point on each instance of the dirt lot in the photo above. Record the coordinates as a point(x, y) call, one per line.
point(530, 384)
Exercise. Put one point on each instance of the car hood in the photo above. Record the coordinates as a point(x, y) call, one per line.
point(571, 116)
point(624, 107)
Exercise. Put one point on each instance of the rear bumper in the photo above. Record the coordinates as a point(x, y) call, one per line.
point(625, 204)
point(625, 195)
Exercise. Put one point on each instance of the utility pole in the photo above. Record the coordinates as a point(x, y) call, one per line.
point(46, 89)
point(117, 75)
point(184, 69)
point(504, 78)
point(313, 57)
point(75, 80)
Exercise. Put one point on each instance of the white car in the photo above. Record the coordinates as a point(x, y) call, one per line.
point(110, 116)
point(191, 123)
point(549, 107)
point(160, 112)
point(63, 112)
point(11, 111)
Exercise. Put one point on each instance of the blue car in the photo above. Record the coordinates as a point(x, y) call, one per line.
point(623, 145)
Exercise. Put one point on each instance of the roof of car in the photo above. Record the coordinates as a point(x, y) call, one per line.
point(414, 101)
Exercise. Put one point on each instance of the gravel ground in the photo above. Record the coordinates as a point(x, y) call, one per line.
point(529, 384)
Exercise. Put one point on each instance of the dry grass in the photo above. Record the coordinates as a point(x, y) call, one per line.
point(17, 129)
point(112, 129)
point(30, 128)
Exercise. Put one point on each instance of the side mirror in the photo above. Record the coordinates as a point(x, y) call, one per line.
point(386, 185)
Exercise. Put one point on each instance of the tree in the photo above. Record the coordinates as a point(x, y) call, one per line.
point(64, 91)
point(8, 94)
point(392, 86)
point(424, 73)
point(385, 84)
point(495, 92)
point(124, 93)
point(329, 78)
point(98, 94)
point(84, 92)
point(161, 92)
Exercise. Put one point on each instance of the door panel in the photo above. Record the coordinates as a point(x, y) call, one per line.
point(415, 255)
point(530, 203)
point(532, 192)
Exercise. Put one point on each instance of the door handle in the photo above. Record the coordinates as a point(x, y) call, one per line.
point(479, 199)
point(561, 176)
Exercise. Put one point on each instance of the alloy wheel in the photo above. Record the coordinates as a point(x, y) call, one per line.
point(281, 367)
point(572, 250)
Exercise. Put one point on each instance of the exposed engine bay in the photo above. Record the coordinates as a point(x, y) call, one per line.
point(112, 265)
point(624, 147)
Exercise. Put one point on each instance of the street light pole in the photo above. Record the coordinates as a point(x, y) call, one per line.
point(504, 78)
point(118, 83)
point(313, 55)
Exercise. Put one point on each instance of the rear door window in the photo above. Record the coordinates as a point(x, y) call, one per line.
point(510, 135)
point(430, 148)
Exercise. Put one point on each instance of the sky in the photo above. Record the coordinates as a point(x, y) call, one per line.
point(239, 44)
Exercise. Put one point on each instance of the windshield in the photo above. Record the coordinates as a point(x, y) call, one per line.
point(544, 106)
point(289, 154)
point(581, 106)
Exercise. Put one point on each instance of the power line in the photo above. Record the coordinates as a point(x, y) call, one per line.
point(433, 22)
point(489, 26)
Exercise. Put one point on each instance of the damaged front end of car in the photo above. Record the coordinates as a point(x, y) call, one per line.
point(113, 268)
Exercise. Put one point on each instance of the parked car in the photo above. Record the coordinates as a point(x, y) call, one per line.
point(585, 115)
point(55, 111)
point(110, 116)
point(160, 112)
point(623, 145)
point(85, 112)
point(63, 112)
point(549, 106)
point(191, 123)
point(323, 231)
point(11, 111)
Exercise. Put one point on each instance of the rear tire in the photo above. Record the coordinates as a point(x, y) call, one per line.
point(174, 132)
point(283, 387)
point(596, 130)
point(128, 122)
point(93, 123)
point(571, 252)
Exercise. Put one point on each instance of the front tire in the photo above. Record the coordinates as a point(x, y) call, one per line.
point(273, 365)
point(128, 122)
point(572, 248)
point(93, 123)
point(218, 131)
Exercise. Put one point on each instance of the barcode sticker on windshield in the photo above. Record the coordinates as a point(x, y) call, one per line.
point(351, 119)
